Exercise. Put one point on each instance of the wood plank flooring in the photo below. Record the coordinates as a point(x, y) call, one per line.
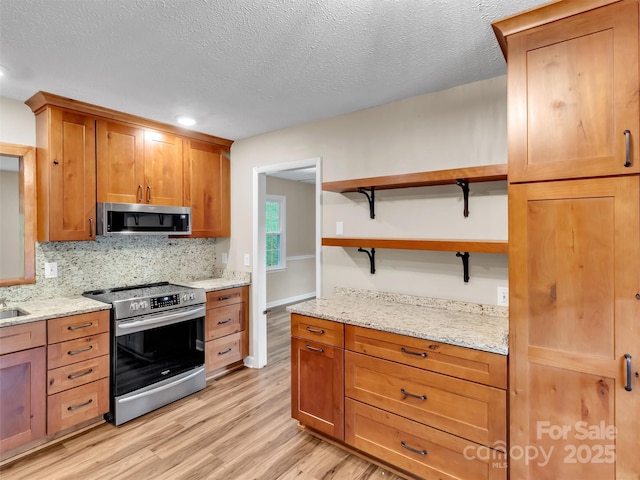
point(238, 428)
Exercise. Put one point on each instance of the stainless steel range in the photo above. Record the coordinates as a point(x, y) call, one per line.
point(157, 346)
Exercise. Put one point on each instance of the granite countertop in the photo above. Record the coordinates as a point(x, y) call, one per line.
point(76, 304)
point(466, 329)
point(213, 284)
point(51, 308)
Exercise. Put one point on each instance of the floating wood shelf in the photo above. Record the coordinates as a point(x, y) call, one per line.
point(485, 173)
point(477, 246)
point(461, 247)
point(456, 176)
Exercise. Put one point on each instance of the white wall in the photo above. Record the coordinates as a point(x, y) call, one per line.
point(299, 278)
point(459, 127)
point(17, 123)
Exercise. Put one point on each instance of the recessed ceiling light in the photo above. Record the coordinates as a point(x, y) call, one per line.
point(186, 121)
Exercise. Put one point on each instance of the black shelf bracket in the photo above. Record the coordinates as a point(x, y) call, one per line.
point(464, 185)
point(371, 198)
point(372, 258)
point(465, 265)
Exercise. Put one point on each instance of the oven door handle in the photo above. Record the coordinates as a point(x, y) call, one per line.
point(159, 389)
point(126, 327)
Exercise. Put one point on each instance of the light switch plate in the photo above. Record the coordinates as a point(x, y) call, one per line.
point(503, 296)
point(50, 270)
point(339, 228)
point(224, 258)
point(247, 260)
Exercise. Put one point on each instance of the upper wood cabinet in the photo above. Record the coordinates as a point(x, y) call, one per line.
point(88, 153)
point(66, 175)
point(573, 92)
point(137, 165)
point(207, 188)
point(120, 162)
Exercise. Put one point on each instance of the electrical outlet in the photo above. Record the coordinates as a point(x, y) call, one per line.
point(225, 259)
point(50, 270)
point(503, 296)
point(247, 260)
point(339, 228)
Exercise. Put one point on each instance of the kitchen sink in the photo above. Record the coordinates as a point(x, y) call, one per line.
point(12, 312)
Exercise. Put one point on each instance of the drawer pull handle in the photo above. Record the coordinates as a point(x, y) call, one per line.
point(76, 352)
point(225, 352)
point(411, 449)
point(409, 394)
point(228, 297)
point(78, 375)
point(417, 354)
point(223, 322)
point(314, 349)
point(139, 193)
point(76, 407)
point(78, 327)
point(315, 330)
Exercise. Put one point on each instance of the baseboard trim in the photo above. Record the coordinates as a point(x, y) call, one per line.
point(294, 299)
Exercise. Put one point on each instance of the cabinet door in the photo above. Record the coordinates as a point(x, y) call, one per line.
point(317, 386)
point(574, 274)
point(162, 168)
point(120, 163)
point(67, 203)
point(207, 189)
point(572, 93)
point(22, 397)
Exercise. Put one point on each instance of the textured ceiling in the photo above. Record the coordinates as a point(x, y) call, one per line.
point(243, 67)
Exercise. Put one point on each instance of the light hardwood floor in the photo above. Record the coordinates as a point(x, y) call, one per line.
point(238, 428)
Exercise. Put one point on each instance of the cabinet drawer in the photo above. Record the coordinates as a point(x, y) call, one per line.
point(466, 363)
point(73, 351)
point(229, 296)
point(74, 406)
point(466, 409)
point(224, 321)
point(76, 374)
point(416, 448)
point(76, 326)
point(317, 330)
point(224, 351)
point(22, 337)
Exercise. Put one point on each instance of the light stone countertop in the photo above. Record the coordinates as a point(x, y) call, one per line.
point(478, 331)
point(76, 304)
point(51, 308)
point(213, 284)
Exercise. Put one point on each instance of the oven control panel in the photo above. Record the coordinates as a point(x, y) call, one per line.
point(165, 301)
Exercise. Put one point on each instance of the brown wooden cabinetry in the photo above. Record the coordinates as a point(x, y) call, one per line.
point(317, 374)
point(138, 165)
point(78, 369)
point(22, 381)
point(574, 239)
point(207, 188)
point(573, 92)
point(87, 153)
point(402, 410)
point(66, 175)
point(227, 334)
point(574, 276)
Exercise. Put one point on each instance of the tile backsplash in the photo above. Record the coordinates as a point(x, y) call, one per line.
point(116, 261)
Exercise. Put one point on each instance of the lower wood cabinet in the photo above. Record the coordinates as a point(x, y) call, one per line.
point(22, 379)
point(78, 369)
point(226, 329)
point(434, 410)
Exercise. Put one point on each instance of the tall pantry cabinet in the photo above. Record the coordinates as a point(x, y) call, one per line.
point(574, 239)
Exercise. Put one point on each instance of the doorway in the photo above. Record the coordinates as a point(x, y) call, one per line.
point(258, 326)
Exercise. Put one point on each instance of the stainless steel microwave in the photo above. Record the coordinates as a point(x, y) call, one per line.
point(139, 219)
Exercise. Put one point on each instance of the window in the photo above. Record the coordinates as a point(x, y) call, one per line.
point(275, 206)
